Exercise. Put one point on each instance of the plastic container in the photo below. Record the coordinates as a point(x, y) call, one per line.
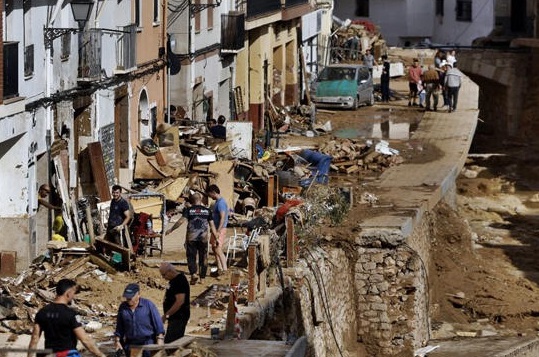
point(116, 257)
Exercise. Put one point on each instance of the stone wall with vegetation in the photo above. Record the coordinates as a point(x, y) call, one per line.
point(370, 297)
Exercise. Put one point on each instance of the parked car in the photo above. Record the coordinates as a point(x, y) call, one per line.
point(343, 86)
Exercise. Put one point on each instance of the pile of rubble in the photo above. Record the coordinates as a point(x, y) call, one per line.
point(359, 35)
point(255, 176)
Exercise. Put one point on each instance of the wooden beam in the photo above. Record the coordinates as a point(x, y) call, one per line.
point(98, 171)
point(290, 242)
point(251, 268)
point(271, 191)
point(70, 269)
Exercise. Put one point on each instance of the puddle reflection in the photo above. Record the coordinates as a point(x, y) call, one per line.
point(386, 129)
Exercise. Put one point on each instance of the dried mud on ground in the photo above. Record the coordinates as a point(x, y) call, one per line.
point(485, 272)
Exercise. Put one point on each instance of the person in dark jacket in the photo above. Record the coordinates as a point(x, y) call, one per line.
point(219, 131)
point(384, 79)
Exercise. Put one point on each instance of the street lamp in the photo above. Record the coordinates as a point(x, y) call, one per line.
point(81, 12)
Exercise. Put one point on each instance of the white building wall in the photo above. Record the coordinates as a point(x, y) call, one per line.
point(415, 20)
point(418, 17)
point(206, 70)
point(450, 31)
point(14, 158)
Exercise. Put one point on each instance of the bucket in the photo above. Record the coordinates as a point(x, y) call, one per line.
point(215, 333)
point(116, 257)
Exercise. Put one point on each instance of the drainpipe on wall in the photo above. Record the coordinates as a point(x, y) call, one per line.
point(166, 69)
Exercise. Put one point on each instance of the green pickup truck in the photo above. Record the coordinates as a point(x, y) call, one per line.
point(343, 86)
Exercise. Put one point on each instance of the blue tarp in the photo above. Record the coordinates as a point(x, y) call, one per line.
point(320, 161)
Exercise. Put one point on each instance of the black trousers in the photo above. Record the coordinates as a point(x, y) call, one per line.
point(384, 87)
point(193, 248)
point(176, 328)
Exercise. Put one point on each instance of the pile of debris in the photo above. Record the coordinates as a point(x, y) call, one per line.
point(358, 36)
point(22, 296)
point(254, 177)
point(351, 156)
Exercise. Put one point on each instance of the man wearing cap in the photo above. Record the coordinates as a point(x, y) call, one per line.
point(138, 322)
point(176, 303)
point(60, 325)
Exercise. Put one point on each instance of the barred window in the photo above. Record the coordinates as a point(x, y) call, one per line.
point(362, 8)
point(29, 60)
point(464, 10)
point(66, 46)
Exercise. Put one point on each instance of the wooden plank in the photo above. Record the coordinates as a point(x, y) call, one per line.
point(172, 189)
point(290, 242)
point(90, 224)
point(174, 158)
point(77, 264)
point(125, 252)
point(98, 170)
point(271, 191)
point(160, 158)
point(352, 169)
point(251, 268)
point(66, 200)
point(161, 169)
point(143, 170)
point(304, 73)
point(177, 346)
point(102, 264)
point(345, 163)
point(8, 263)
point(224, 178)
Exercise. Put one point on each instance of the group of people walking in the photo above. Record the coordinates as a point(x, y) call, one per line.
point(442, 77)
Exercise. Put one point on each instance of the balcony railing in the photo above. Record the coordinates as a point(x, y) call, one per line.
point(257, 8)
point(232, 32)
point(11, 69)
point(126, 49)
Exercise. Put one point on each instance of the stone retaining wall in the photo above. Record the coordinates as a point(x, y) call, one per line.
point(375, 294)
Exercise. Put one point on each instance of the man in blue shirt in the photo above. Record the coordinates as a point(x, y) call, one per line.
point(220, 219)
point(138, 322)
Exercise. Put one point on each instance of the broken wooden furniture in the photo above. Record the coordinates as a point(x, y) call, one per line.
point(119, 255)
